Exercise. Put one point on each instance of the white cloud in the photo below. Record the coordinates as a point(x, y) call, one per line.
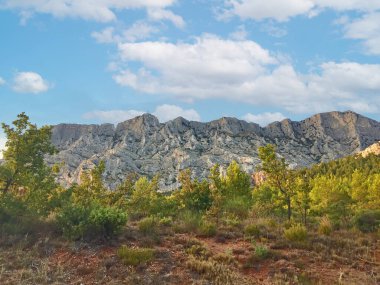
point(243, 71)
point(29, 82)
point(159, 14)
point(281, 10)
point(140, 30)
point(3, 140)
point(169, 112)
point(97, 10)
point(240, 34)
point(163, 112)
point(264, 118)
point(367, 29)
point(2, 81)
point(269, 9)
point(113, 116)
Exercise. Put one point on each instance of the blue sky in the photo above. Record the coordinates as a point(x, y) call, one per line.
point(101, 61)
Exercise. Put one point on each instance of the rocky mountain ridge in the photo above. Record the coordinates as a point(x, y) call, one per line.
point(148, 147)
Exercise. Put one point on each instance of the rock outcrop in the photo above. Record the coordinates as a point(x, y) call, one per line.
point(372, 149)
point(148, 147)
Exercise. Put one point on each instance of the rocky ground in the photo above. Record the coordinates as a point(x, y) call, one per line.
point(345, 257)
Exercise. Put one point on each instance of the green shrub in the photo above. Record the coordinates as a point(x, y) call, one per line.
point(90, 222)
point(188, 222)
point(252, 230)
point(166, 221)
point(262, 252)
point(107, 221)
point(237, 206)
point(148, 226)
point(368, 221)
point(325, 227)
point(296, 233)
point(135, 256)
point(207, 229)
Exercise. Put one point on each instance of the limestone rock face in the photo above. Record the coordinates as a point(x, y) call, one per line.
point(148, 147)
point(372, 149)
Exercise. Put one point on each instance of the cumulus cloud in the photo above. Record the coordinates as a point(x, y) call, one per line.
point(211, 67)
point(367, 29)
point(264, 118)
point(163, 112)
point(270, 9)
point(3, 140)
point(280, 10)
point(159, 14)
point(2, 81)
point(169, 112)
point(112, 116)
point(140, 30)
point(97, 10)
point(29, 82)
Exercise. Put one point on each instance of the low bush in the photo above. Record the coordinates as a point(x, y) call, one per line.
point(252, 230)
point(262, 252)
point(90, 222)
point(207, 229)
point(296, 233)
point(216, 273)
point(325, 227)
point(368, 221)
point(148, 226)
point(135, 256)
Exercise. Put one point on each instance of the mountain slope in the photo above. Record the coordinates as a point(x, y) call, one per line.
point(145, 146)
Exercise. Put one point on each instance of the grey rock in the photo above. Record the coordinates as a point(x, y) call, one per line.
point(148, 147)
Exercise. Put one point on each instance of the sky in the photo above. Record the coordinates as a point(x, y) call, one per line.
point(98, 61)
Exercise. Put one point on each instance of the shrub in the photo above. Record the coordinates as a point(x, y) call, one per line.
point(217, 273)
point(262, 252)
point(135, 256)
point(325, 226)
point(237, 206)
point(207, 229)
point(107, 221)
point(199, 251)
point(252, 230)
point(148, 226)
point(90, 222)
point(296, 233)
point(368, 221)
point(188, 222)
point(166, 221)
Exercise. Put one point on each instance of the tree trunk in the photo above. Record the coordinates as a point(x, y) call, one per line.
point(289, 208)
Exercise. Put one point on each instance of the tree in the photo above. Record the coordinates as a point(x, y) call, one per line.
point(279, 176)
point(193, 195)
point(24, 170)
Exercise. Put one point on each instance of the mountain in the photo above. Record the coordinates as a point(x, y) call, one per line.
point(148, 147)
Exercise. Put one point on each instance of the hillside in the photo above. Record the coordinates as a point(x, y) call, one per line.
point(145, 146)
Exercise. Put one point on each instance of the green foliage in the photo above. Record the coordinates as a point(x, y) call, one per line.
point(296, 233)
point(135, 256)
point(279, 177)
point(368, 221)
point(261, 252)
point(252, 230)
point(207, 229)
point(330, 195)
point(193, 195)
point(188, 222)
point(145, 199)
point(148, 226)
point(325, 227)
point(24, 173)
point(237, 183)
point(93, 221)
